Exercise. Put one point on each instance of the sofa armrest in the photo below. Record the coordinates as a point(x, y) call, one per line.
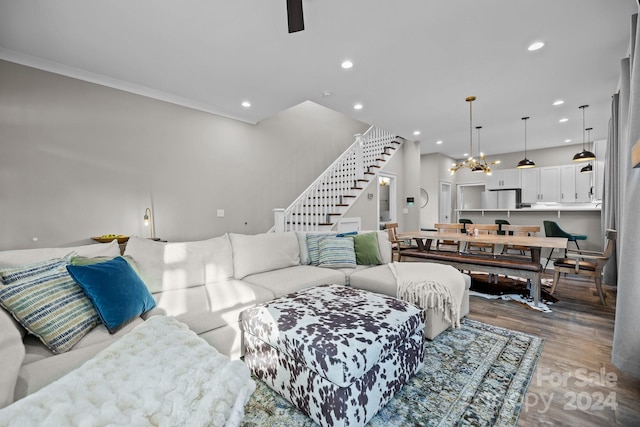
point(11, 354)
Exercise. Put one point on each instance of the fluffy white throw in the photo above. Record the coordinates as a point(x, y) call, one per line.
point(160, 374)
point(431, 285)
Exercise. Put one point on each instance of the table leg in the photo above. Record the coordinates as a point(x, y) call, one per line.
point(537, 280)
point(422, 246)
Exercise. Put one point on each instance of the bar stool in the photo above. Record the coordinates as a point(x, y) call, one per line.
point(552, 229)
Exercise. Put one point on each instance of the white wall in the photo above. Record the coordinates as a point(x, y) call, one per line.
point(79, 160)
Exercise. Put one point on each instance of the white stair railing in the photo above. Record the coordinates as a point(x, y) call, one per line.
point(329, 196)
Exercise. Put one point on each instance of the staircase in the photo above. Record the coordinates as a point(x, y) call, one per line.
point(328, 198)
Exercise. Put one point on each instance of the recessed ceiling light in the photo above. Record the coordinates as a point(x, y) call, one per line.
point(465, 154)
point(567, 140)
point(562, 120)
point(246, 104)
point(358, 106)
point(558, 102)
point(416, 132)
point(535, 46)
point(347, 64)
point(326, 93)
point(438, 142)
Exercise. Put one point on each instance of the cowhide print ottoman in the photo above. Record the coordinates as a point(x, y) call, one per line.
point(337, 353)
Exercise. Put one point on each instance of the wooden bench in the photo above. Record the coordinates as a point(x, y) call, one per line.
point(511, 266)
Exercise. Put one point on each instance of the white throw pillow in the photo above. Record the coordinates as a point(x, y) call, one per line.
point(20, 257)
point(263, 252)
point(178, 265)
point(385, 247)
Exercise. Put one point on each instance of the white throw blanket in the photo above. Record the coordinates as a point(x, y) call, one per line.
point(159, 374)
point(431, 285)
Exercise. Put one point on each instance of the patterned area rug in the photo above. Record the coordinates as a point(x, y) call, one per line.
point(476, 375)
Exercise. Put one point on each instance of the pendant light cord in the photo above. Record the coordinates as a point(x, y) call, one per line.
point(525, 136)
point(582, 107)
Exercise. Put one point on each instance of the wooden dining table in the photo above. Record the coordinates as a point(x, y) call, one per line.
point(424, 239)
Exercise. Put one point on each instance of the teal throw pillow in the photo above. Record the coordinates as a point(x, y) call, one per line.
point(366, 249)
point(116, 291)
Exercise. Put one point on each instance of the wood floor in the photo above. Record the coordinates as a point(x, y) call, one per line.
point(575, 383)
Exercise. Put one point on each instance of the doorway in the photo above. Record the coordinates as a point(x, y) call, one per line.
point(444, 202)
point(387, 209)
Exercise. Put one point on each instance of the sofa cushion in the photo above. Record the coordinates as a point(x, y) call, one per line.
point(47, 302)
point(41, 371)
point(337, 252)
point(27, 256)
point(377, 279)
point(116, 291)
point(11, 354)
point(380, 279)
point(207, 307)
point(292, 279)
point(258, 253)
point(178, 265)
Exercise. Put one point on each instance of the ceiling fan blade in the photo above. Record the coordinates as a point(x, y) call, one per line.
point(294, 14)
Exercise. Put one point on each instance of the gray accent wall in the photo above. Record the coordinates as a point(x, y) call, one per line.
point(78, 160)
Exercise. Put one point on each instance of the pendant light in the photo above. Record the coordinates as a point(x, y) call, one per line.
point(525, 163)
point(589, 167)
point(585, 155)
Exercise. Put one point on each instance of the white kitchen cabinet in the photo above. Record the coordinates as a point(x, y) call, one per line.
point(575, 186)
point(530, 183)
point(503, 179)
point(583, 185)
point(550, 184)
point(568, 183)
point(541, 184)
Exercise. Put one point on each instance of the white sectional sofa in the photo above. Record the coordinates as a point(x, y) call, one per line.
point(204, 284)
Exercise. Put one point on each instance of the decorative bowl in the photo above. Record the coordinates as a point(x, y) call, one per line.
point(121, 239)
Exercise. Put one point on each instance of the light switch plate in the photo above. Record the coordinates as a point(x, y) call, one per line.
point(220, 213)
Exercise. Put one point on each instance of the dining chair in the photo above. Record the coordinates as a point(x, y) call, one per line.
point(464, 222)
point(397, 245)
point(501, 223)
point(552, 229)
point(452, 245)
point(520, 230)
point(483, 229)
point(586, 263)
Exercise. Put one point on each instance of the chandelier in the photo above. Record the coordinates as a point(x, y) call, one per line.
point(471, 163)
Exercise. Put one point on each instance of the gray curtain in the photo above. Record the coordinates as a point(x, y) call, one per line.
point(611, 188)
point(626, 339)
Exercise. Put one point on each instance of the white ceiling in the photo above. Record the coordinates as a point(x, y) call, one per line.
point(415, 61)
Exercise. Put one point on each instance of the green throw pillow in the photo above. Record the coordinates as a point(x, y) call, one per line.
point(366, 248)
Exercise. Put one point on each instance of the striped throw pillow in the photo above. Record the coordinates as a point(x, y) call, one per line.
point(337, 252)
point(48, 303)
point(313, 246)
